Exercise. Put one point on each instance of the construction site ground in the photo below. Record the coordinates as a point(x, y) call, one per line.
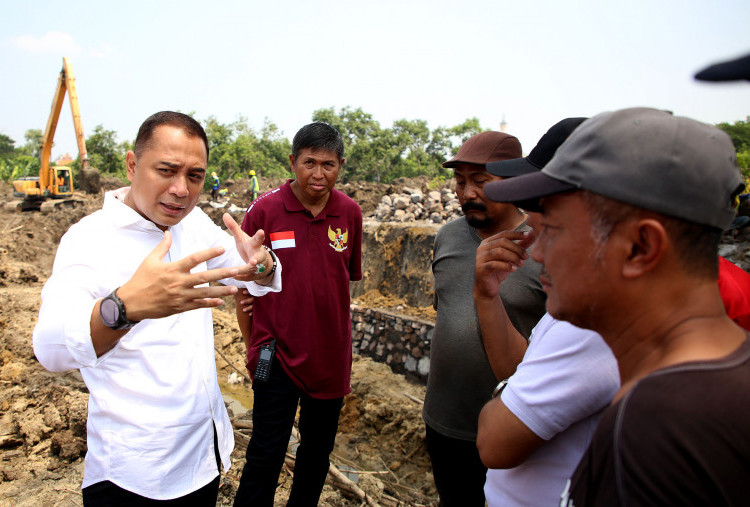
point(379, 450)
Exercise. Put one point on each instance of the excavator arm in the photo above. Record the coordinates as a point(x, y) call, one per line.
point(65, 82)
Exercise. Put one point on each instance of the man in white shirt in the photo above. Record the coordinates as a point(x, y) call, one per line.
point(534, 431)
point(128, 303)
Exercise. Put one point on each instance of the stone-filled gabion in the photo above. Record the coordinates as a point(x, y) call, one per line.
point(400, 341)
point(412, 204)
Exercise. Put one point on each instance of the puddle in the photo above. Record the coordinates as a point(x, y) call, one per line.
point(238, 397)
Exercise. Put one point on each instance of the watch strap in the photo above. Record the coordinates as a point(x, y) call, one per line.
point(122, 321)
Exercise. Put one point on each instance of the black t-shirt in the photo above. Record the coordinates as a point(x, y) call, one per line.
point(680, 436)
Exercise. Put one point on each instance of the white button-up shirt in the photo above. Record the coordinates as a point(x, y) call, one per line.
point(154, 398)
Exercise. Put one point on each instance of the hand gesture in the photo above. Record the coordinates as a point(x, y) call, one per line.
point(497, 257)
point(249, 247)
point(159, 289)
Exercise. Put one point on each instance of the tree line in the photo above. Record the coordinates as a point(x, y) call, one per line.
point(378, 154)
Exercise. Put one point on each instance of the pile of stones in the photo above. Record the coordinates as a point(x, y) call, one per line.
point(735, 246)
point(437, 206)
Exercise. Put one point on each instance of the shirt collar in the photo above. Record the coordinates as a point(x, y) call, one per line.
point(123, 215)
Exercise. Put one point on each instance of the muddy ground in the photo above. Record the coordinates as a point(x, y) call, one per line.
point(43, 415)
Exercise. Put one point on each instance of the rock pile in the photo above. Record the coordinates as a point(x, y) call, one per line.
point(410, 204)
point(735, 246)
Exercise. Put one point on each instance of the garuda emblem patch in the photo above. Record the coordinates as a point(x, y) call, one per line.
point(338, 239)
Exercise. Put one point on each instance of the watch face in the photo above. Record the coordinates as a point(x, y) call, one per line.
point(109, 312)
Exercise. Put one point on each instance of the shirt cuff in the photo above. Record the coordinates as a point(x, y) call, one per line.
point(257, 289)
point(78, 335)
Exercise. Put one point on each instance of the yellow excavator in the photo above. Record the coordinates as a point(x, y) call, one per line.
point(55, 182)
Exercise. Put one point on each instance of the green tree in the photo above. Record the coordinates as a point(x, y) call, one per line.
point(33, 146)
point(739, 131)
point(105, 153)
point(235, 149)
point(465, 130)
point(7, 147)
point(360, 133)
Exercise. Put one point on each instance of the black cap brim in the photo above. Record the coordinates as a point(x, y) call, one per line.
point(511, 168)
point(732, 70)
point(526, 190)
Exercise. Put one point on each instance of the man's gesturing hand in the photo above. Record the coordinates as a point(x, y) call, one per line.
point(159, 289)
point(249, 247)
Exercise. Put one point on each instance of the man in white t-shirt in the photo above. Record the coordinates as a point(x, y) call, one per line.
point(541, 418)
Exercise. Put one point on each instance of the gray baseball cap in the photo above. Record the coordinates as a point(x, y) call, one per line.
point(645, 157)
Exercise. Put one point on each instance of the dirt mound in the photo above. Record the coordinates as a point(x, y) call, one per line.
point(380, 444)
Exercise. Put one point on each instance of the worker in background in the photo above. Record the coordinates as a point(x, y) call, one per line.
point(254, 184)
point(215, 188)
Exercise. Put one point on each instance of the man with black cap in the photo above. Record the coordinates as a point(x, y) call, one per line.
point(534, 430)
point(461, 378)
point(633, 206)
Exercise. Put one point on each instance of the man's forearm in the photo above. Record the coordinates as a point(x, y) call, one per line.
point(504, 345)
point(244, 321)
point(102, 337)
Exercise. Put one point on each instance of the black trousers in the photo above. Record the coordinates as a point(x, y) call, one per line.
point(109, 494)
point(274, 407)
point(457, 468)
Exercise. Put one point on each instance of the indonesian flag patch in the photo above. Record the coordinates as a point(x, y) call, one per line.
point(284, 239)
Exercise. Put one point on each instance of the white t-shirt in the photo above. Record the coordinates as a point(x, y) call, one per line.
point(567, 377)
point(154, 398)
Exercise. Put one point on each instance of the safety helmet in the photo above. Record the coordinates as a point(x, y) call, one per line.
point(213, 174)
point(252, 173)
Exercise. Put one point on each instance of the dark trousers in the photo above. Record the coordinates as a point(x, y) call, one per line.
point(109, 494)
point(274, 406)
point(457, 468)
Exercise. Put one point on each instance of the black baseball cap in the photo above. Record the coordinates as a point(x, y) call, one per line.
point(541, 154)
point(731, 70)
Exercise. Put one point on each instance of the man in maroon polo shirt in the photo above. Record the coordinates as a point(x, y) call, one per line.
point(316, 232)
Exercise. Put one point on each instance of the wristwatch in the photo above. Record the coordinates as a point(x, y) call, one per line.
point(112, 312)
point(499, 389)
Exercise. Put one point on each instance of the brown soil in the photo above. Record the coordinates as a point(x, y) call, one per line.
point(43, 415)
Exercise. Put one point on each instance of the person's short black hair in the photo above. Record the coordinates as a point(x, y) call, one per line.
point(171, 118)
point(317, 136)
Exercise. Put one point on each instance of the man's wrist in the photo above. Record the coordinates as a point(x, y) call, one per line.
point(273, 262)
point(113, 314)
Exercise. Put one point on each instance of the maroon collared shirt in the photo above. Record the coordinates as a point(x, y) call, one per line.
point(309, 318)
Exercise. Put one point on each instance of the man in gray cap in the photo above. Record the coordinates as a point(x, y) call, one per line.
point(633, 206)
point(461, 378)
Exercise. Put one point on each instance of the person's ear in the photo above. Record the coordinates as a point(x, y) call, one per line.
point(130, 163)
point(648, 241)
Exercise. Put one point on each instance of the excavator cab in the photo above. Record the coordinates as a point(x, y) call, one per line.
point(63, 187)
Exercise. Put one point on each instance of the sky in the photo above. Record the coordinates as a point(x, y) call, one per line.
point(530, 63)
